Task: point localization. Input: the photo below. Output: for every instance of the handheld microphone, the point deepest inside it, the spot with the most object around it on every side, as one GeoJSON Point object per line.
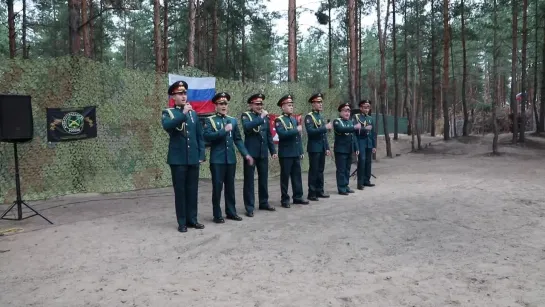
{"type": "Point", "coordinates": [190, 115]}
{"type": "Point", "coordinates": [230, 131]}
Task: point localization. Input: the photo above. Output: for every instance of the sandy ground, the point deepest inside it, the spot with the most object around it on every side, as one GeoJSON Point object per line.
{"type": "Point", "coordinates": [448, 226]}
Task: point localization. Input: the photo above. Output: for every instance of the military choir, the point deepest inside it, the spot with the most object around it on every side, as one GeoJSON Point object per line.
{"type": "Point", "coordinates": [354, 136]}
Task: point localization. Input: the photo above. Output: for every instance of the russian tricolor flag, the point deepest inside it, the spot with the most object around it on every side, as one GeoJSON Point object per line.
{"type": "Point", "coordinates": [199, 94]}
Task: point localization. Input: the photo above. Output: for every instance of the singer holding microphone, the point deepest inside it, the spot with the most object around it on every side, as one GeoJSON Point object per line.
{"type": "Point", "coordinates": [222, 131]}
{"type": "Point", "coordinates": [259, 142]}
{"type": "Point", "coordinates": [185, 153]}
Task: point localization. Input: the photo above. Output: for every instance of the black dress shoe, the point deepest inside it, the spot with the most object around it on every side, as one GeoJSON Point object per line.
{"type": "Point", "coordinates": [196, 226]}
{"type": "Point", "coordinates": [219, 220]}
{"type": "Point", "coordinates": [360, 187]}
{"type": "Point", "coordinates": [286, 205]}
{"type": "Point", "coordinates": [350, 191]}
{"type": "Point", "coordinates": [234, 218]}
{"type": "Point", "coordinates": [182, 228]}
{"type": "Point", "coordinates": [323, 195]}
{"type": "Point", "coordinates": [268, 208]}
{"type": "Point", "coordinates": [343, 193]}
{"type": "Point", "coordinates": [249, 214]}
{"type": "Point", "coordinates": [300, 202]}
{"type": "Point", "coordinates": [313, 198]}
{"type": "Point", "coordinates": [369, 184]}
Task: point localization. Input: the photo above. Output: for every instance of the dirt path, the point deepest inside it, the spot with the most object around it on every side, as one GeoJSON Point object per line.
{"type": "Point", "coordinates": [449, 226]}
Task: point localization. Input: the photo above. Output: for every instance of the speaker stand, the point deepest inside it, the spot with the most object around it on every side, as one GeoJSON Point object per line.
{"type": "Point", "coordinates": [19, 202]}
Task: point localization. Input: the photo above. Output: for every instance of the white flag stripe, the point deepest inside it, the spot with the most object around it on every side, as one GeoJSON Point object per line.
{"type": "Point", "coordinates": [194, 83]}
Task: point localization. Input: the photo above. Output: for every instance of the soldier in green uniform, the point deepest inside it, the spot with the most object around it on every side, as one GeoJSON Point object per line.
{"type": "Point", "coordinates": [222, 131]}
{"type": "Point", "coordinates": [317, 147]}
{"type": "Point", "coordinates": [259, 143]}
{"type": "Point", "coordinates": [290, 153]}
{"type": "Point", "coordinates": [345, 145]}
{"type": "Point", "coordinates": [185, 154]}
{"type": "Point", "coordinates": [366, 142]}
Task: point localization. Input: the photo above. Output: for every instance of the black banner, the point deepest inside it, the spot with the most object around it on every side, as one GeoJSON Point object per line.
{"type": "Point", "coordinates": [71, 124]}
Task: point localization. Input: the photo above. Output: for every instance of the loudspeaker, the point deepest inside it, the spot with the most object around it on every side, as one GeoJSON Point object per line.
{"type": "Point", "coordinates": [16, 121]}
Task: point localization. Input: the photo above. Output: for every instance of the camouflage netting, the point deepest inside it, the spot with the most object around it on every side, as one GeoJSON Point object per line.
{"type": "Point", "coordinates": [130, 150]}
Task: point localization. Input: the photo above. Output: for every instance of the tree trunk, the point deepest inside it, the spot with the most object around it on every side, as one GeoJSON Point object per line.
{"type": "Point", "coordinates": [126, 39]}
{"type": "Point", "coordinates": [215, 38]}
{"type": "Point", "coordinates": [514, 62]}
{"type": "Point", "coordinates": [358, 52]}
{"type": "Point", "coordinates": [228, 25]}
{"type": "Point", "coordinates": [85, 29]}
{"type": "Point", "coordinates": [198, 35]}
{"type": "Point", "coordinates": [11, 30]}
{"type": "Point", "coordinates": [382, 84]}
{"type": "Point", "coordinates": [55, 36]}
{"type": "Point", "coordinates": [91, 36]}
{"type": "Point", "coordinates": [74, 22]}
{"type": "Point", "coordinates": [292, 41]}
{"type": "Point", "coordinates": [523, 87]}
{"type": "Point", "coordinates": [25, 47]}
{"type": "Point", "coordinates": [413, 110]}
{"type": "Point", "coordinates": [156, 35]}
{"type": "Point", "coordinates": [177, 49]}
{"type": "Point", "coordinates": [419, 111]}
{"type": "Point", "coordinates": [418, 98]}
{"type": "Point", "coordinates": [243, 49]}
{"type": "Point", "coordinates": [433, 74]}
{"type": "Point", "coordinates": [191, 38]}
{"type": "Point", "coordinates": [206, 41]}
{"type": "Point", "coordinates": [541, 127]}
{"type": "Point", "coordinates": [233, 50]}
{"type": "Point", "coordinates": [446, 54]}
{"type": "Point", "coordinates": [353, 55]}
{"type": "Point", "coordinates": [453, 89]}
{"type": "Point", "coordinates": [165, 36]}
{"type": "Point", "coordinates": [102, 41]}
{"type": "Point", "coordinates": [406, 94]}
{"type": "Point", "coordinates": [133, 48]}
{"type": "Point", "coordinates": [396, 83]}
{"type": "Point", "coordinates": [502, 85]}
{"type": "Point", "coordinates": [330, 49]}
{"type": "Point", "coordinates": [534, 98]}
{"type": "Point", "coordinates": [465, 131]}
{"type": "Point", "coordinates": [496, 83]}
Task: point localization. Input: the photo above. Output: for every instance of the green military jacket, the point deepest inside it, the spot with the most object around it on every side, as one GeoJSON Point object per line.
{"type": "Point", "coordinates": [222, 143]}
{"type": "Point", "coordinates": [345, 140]}
{"type": "Point", "coordinates": [317, 132]}
{"type": "Point", "coordinates": [186, 144]}
{"type": "Point", "coordinates": [366, 139]}
{"type": "Point", "coordinates": [290, 144]}
{"type": "Point", "coordinates": [257, 135]}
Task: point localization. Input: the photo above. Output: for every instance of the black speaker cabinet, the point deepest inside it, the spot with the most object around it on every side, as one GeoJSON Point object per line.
{"type": "Point", "coordinates": [16, 121]}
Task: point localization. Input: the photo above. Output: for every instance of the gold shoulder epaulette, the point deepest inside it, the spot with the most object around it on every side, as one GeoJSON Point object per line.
{"type": "Point", "coordinates": [170, 114]}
